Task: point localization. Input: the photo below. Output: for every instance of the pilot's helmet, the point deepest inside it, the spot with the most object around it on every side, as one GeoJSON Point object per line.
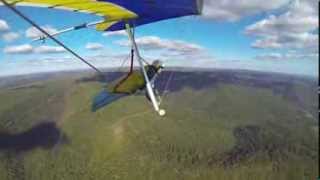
{"type": "Point", "coordinates": [158, 64]}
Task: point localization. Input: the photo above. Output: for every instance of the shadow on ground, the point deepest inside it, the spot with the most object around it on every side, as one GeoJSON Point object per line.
{"type": "Point", "coordinates": [45, 135]}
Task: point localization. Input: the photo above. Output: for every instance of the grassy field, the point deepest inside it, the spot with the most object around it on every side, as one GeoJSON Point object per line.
{"type": "Point", "coordinates": [232, 132]}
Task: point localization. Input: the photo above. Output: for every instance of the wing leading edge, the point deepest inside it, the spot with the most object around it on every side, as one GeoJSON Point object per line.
{"type": "Point", "coordinates": [118, 12]}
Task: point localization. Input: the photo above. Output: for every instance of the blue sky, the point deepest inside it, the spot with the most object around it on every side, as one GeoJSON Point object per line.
{"type": "Point", "coordinates": [279, 36]}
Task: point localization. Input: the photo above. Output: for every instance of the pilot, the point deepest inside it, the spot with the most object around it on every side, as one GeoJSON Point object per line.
{"type": "Point", "coordinates": [135, 80]}
{"type": "Point", "coordinates": [126, 85]}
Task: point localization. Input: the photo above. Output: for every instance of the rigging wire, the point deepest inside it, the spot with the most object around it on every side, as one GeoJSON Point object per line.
{"type": "Point", "coordinates": [165, 90]}
{"type": "Point", "coordinates": [182, 31]}
{"type": "Point", "coordinates": [12, 8]}
{"type": "Point", "coordinates": [124, 61]}
{"type": "Point", "coordinates": [145, 61]}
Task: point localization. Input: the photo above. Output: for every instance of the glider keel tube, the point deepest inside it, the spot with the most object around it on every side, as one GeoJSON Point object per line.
{"type": "Point", "coordinates": [148, 83]}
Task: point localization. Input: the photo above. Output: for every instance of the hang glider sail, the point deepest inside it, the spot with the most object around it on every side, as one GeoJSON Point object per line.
{"type": "Point", "coordinates": [116, 15]}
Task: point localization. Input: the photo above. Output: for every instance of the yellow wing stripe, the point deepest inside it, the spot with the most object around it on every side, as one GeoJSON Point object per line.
{"type": "Point", "coordinates": [110, 11]}
{"type": "Point", "coordinates": [103, 26]}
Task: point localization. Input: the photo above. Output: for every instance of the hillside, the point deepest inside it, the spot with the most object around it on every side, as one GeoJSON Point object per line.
{"type": "Point", "coordinates": [229, 125]}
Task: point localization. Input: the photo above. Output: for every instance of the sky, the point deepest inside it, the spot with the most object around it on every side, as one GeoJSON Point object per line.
{"type": "Point", "coordinates": [273, 36]}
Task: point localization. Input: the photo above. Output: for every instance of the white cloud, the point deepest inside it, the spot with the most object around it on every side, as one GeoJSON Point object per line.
{"type": "Point", "coordinates": [293, 29]}
{"type": "Point", "coordinates": [306, 40]}
{"type": "Point", "coordinates": [11, 36]}
{"type": "Point", "coordinates": [285, 23]}
{"type": "Point", "coordinates": [177, 52]}
{"type": "Point", "coordinates": [115, 33]}
{"type": "Point", "coordinates": [3, 25]}
{"type": "Point", "coordinates": [28, 49]}
{"type": "Point", "coordinates": [232, 10]}
{"type": "Point", "coordinates": [20, 49]}
{"type": "Point", "coordinates": [34, 33]}
{"type": "Point", "coordinates": [270, 56]}
{"type": "Point", "coordinates": [49, 49]}
{"type": "Point", "coordinates": [94, 46]}
{"type": "Point", "coordinates": [290, 55]}
{"type": "Point", "coordinates": [270, 42]}
{"type": "Point", "coordinates": [156, 43]}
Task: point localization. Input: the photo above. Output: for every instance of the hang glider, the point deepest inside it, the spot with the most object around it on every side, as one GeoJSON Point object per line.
{"type": "Point", "coordinates": [116, 15]}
